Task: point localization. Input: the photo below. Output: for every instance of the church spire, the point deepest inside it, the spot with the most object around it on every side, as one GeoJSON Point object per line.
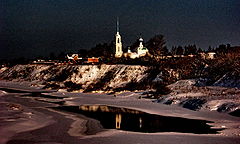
{"type": "Point", "coordinates": [117, 25]}
{"type": "Point", "coordinates": [118, 52]}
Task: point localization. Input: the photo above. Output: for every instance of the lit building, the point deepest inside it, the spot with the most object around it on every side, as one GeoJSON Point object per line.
{"type": "Point", "coordinates": [118, 50]}
{"type": "Point", "coordinates": [210, 55]}
{"type": "Point", "coordinates": [140, 51]}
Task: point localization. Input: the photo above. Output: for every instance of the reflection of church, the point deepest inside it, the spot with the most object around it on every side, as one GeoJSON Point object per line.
{"type": "Point", "coordinates": [118, 121]}
{"type": "Point", "coordinates": [141, 50]}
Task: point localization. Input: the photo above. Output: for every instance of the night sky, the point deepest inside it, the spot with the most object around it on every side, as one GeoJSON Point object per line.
{"type": "Point", "coordinates": [37, 27]}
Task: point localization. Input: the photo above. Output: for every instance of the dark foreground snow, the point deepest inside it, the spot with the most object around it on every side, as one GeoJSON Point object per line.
{"type": "Point", "coordinates": [30, 120]}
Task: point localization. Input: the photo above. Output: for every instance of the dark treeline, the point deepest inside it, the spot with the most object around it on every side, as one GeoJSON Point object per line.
{"type": "Point", "coordinates": [105, 51]}
{"type": "Point", "coordinates": [156, 46]}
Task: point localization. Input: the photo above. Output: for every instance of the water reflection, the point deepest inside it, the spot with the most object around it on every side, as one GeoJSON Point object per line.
{"type": "Point", "coordinates": [118, 121]}
{"type": "Point", "coordinates": [133, 120]}
{"type": "Point", "coordinates": [140, 122]}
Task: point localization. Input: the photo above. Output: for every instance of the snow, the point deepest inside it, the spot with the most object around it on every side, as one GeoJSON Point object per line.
{"type": "Point", "coordinates": [228, 80]}
{"type": "Point", "coordinates": [84, 75]}
{"type": "Point", "coordinates": [3, 69]}
{"type": "Point", "coordinates": [216, 98]}
{"type": "Point", "coordinates": [183, 84]}
{"type": "Point", "coordinates": [2, 92]}
{"type": "Point", "coordinates": [109, 77]}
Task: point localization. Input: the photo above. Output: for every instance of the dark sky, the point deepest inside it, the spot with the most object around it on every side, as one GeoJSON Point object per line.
{"type": "Point", "coordinates": [38, 27]}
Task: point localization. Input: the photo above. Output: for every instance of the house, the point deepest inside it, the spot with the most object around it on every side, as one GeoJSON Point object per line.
{"type": "Point", "coordinates": [210, 55]}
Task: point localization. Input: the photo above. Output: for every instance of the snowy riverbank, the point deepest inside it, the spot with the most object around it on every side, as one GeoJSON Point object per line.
{"type": "Point", "coordinates": [71, 127]}
{"type": "Point", "coordinates": [191, 93]}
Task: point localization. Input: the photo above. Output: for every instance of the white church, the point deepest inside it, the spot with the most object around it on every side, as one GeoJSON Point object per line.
{"type": "Point", "coordinates": [141, 50]}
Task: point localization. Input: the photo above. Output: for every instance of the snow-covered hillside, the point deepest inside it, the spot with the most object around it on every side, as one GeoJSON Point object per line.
{"type": "Point", "coordinates": [82, 77]}
{"type": "Point", "coordinates": [214, 98]}
{"type": "Point", "coordinates": [222, 96]}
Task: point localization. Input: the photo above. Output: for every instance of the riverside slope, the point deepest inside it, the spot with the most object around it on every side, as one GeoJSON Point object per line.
{"type": "Point", "coordinates": [83, 77]}
{"type": "Point", "coordinates": [107, 78]}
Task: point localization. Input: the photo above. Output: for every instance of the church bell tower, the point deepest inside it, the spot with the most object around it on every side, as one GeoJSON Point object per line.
{"type": "Point", "coordinates": [118, 50]}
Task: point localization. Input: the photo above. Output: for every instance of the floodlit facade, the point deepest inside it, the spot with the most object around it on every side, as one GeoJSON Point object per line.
{"type": "Point", "coordinates": [210, 55]}
{"type": "Point", "coordinates": [118, 50]}
{"type": "Point", "coordinates": [140, 51]}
